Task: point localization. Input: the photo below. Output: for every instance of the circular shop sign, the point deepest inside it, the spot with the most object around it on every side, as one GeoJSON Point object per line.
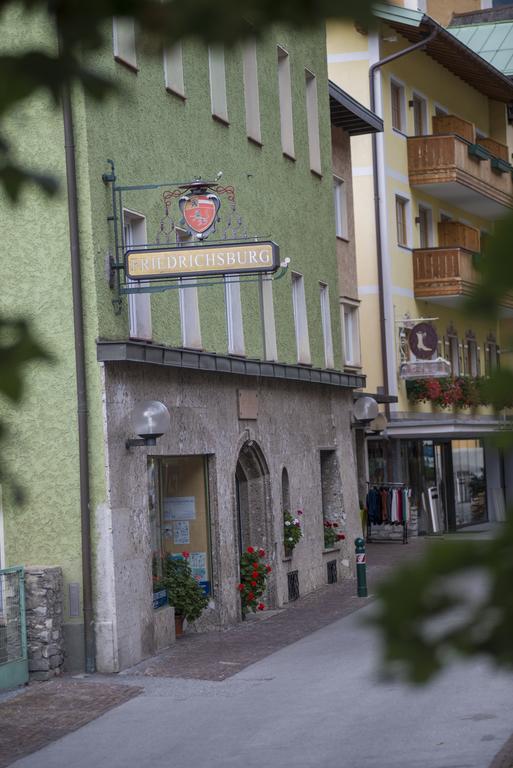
{"type": "Point", "coordinates": [423, 341]}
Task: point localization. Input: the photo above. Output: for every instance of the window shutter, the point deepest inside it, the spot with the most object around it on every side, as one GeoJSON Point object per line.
{"type": "Point", "coordinates": [466, 362]}
{"type": "Point", "coordinates": [478, 360]}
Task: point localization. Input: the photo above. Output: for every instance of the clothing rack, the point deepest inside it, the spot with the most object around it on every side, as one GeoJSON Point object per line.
{"type": "Point", "coordinates": [403, 523]}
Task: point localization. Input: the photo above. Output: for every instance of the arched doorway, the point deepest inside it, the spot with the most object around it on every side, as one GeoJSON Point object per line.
{"type": "Point", "coordinates": [253, 506]}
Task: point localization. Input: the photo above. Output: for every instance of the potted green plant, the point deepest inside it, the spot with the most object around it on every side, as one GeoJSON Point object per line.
{"type": "Point", "coordinates": [331, 534]}
{"type": "Point", "coordinates": [253, 579]}
{"type": "Point", "coordinates": [159, 588]}
{"type": "Point", "coordinates": [183, 591]}
{"type": "Point", "coordinates": [292, 532]}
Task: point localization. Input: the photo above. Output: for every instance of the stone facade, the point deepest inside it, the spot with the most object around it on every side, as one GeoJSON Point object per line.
{"type": "Point", "coordinates": [44, 612]}
{"type": "Point", "coordinates": [296, 424]}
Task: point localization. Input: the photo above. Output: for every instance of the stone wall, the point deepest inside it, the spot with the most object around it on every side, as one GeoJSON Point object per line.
{"type": "Point", "coordinates": [44, 612]}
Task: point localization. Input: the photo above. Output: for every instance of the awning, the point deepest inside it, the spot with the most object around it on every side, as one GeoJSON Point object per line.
{"type": "Point", "coordinates": [349, 114]}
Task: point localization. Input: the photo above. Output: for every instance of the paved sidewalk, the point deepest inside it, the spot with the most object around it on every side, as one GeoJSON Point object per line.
{"type": "Point", "coordinates": [218, 655]}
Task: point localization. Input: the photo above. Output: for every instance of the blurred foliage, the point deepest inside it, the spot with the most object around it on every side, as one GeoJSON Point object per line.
{"type": "Point", "coordinates": [81, 27]}
{"type": "Point", "coordinates": [457, 600]}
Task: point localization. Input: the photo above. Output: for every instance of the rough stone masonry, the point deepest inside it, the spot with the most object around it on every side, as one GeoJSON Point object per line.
{"type": "Point", "coordinates": [44, 612]}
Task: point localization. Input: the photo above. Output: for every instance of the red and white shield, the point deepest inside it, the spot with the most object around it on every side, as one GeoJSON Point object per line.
{"type": "Point", "coordinates": [199, 211]}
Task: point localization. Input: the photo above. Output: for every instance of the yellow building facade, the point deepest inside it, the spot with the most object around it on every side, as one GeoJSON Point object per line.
{"type": "Point", "coordinates": [427, 192]}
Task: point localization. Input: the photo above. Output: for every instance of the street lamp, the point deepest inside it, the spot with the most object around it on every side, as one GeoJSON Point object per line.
{"type": "Point", "coordinates": [150, 420]}
{"type": "Point", "coordinates": [365, 409]}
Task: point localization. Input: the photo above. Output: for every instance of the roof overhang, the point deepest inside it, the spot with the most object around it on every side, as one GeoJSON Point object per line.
{"type": "Point", "coordinates": [447, 50]}
{"type": "Point", "coordinates": [350, 115]}
{"type": "Point", "coordinates": [447, 427]}
{"type": "Point", "coordinates": [209, 362]}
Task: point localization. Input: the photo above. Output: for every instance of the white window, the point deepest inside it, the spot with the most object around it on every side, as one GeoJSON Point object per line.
{"type": "Point", "coordinates": [340, 201]}
{"type": "Point", "coordinates": [401, 217]}
{"type": "Point", "coordinates": [397, 106]}
{"type": "Point", "coordinates": [329, 359]}
{"type": "Point", "coordinates": [189, 308]}
{"type": "Point", "coordinates": [425, 222]}
{"type": "Point", "coordinates": [123, 34]}
{"type": "Point", "coordinates": [312, 121]}
{"type": "Point", "coordinates": [285, 96]}
{"type": "Point", "coordinates": [471, 355]}
{"type": "Point", "coordinates": [419, 106]}
{"type": "Point", "coordinates": [217, 75]}
{"type": "Point", "coordinates": [173, 69]}
{"type": "Point", "coordinates": [300, 319]}
{"type": "Point", "coordinates": [268, 322]}
{"type": "Point", "coordinates": [351, 334]}
{"type": "Point", "coordinates": [234, 324]}
{"type": "Point", "coordinates": [139, 305]}
{"type": "Point", "coordinates": [251, 97]}
{"type": "Point", "coordinates": [454, 354]}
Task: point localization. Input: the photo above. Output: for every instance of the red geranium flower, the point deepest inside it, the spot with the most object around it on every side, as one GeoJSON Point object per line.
{"type": "Point", "coordinates": [250, 550]}
{"type": "Point", "coordinates": [251, 596]}
{"type": "Point", "coordinates": [185, 554]}
{"type": "Point", "coordinates": [261, 552]}
{"type": "Point", "coordinates": [253, 583]}
{"type": "Point", "coordinates": [260, 607]}
{"type": "Point", "coordinates": [255, 574]}
{"type": "Point", "coordinates": [240, 587]}
{"type": "Point", "coordinates": [340, 537]}
{"type": "Point", "coordinates": [268, 568]}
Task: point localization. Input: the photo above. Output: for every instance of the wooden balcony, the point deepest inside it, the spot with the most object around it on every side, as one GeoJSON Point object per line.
{"type": "Point", "coordinates": [446, 276]}
{"type": "Point", "coordinates": [461, 173]}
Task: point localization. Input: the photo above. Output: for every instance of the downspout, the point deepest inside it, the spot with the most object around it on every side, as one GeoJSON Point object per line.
{"type": "Point", "coordinates": [82, 412]}
{"type": "Point", "coordinates": [377, 199]}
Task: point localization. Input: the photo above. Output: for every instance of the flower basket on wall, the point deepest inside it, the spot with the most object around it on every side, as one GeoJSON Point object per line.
{"type": "Point", "coordinates": [448, 392]}
{"type": "Point", "coordinates": [292, 532]}
{"type": "Point", "coordinates": [253, 579]}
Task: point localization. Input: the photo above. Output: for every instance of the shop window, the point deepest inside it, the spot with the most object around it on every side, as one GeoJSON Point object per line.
{"type": "Point", "coordinates": [123, 39]}
{"type": "Point", "coordinates": [331, 488]}
{"type": "Point", "coordinates": [179, 514]}
{"type": "Point", "coordinates": [312, 121]}
{"type": "Point", "coordinates": [300, 319]}
{"type": "Point", "coordinates": [268, 321]}
{"type": "Point", "coordinates": [401, 214]}
{"type": "Point", "coordinates": [329, 359]}
{"type": "Point", "coordinates": [340, 203]}
{"type": "Point", "coordinates": [234, 324]}
{"type": "Point", "coordinates": [217, 74]}
{"type": "Point", "coordinates": [492, 354]}
{"type": "Point", "coordinates": [397, 105]}
{"type": "Point", "coordinates": [173, 69]}
{"type": "Point", "coordinates": [251, 96]}
{"type": "Point", "coordinates": [471, 355]}
{"type": "Point", "coordinates": [285, 98]}
{"type": "Point", "coordinates": [139, 304]}
{"type": "Point", "coordinates": [351, 334]}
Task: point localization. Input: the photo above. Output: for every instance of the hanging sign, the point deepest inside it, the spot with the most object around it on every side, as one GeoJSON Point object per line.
{"type": "Point", "coordinates": [200, 212]}
{"type": "Point", "coordinates": [423, 341]}
{"type": "Point", "coordinates": [201, 260]}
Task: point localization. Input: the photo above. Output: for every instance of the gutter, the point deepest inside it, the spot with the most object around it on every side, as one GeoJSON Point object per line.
{"type": "Point", "coordinates": [80, 370]}
{"type": "Point", "coordinates": [377, 212]}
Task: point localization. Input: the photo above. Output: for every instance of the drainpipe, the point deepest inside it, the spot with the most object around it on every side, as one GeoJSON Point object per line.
{"type": "Point", "coordinates": [377, 200]}
{"type": "Point", "coordinates": [82, 413]}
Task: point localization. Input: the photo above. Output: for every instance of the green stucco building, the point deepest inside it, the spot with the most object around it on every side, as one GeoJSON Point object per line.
{"type": "Point", "coordinates": [250, 369]}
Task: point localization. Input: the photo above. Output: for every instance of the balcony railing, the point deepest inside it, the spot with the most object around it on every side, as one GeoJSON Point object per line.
{"type": "Point", "coordinates": [461, 173]}
{"type": "Point", "coordinates": [446, 276]}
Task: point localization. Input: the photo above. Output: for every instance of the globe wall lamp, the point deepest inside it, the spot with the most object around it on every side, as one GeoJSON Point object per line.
{"type": "Point", "coordinates": [365, 410]}
{"type": "Point", "coordinates": [150, 420]}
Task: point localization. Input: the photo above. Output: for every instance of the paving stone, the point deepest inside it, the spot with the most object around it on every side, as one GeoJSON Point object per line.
{"type": "Point", "coordinates": [48, 711]}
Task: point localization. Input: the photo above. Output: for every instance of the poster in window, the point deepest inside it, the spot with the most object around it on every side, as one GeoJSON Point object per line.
{"type": "Point", "coordinates": [179, 508]}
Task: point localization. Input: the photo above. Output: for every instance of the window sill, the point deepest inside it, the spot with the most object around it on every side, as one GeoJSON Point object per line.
{"type": "Point", "coordinates": [400, 133]}
{"type": "Point", "coordinates": [329, 550]}
{"type": "Point", "coordinates": [220, 119]}
{"type": "Point", "coordinates": [317, 174]}
{"type": "Point", "coordinates": [286, 559]}
{"type": "Point", "coordinates": [132, 67]}
{"type": "Point", "coordinates": [289, 157]}
{"type": "Point", "coordinates": [405, 247]}
{"type": "Point", "coordinates": [254, 141]}
{"type": "Point", "coordinates": [178, 94]}
{"type": "Point", "coordinates": [350, 367]}
{"type": "Point", "coordinates": [343, 239]}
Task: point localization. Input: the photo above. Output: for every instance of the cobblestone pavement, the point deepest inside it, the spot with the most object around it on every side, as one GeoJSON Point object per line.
{"type": "Point", "coordinates": [47, 711]}
{"type": "Point", "coordinates": [217, 655]}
